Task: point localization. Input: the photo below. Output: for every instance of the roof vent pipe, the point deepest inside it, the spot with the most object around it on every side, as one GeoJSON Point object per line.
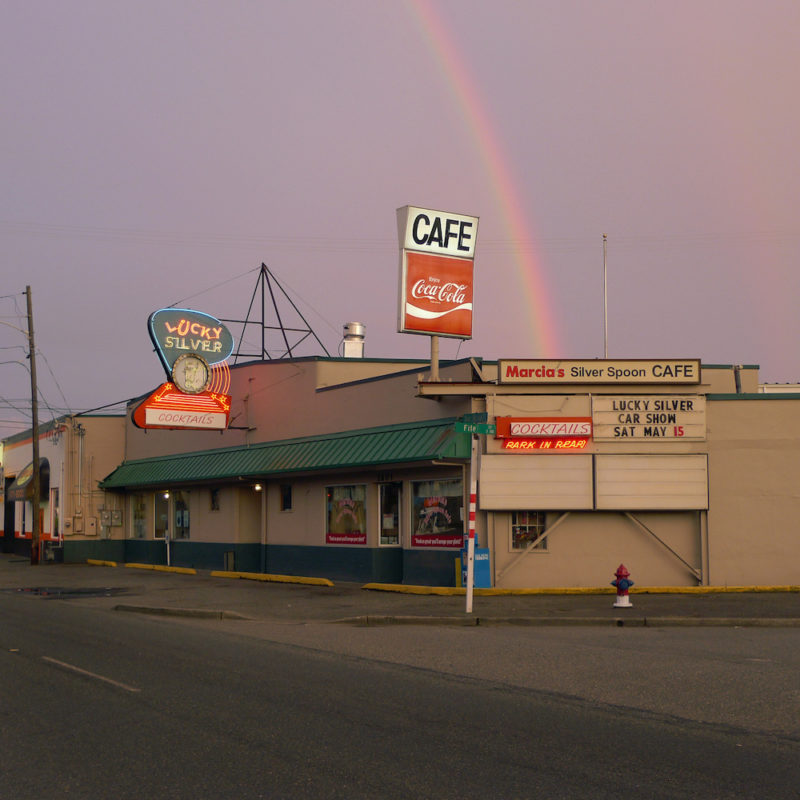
{"type": "Point", "coordinates": [354, 333]}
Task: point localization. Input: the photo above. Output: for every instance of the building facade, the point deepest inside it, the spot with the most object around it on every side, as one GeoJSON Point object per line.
{"type": "Point", "coordinates": [359, 469]}
{"type": "Point", "coordinates": [75, 452]}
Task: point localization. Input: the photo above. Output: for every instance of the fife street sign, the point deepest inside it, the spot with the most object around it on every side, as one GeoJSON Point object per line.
{"type": "Point", "coordinates": [476, 427]}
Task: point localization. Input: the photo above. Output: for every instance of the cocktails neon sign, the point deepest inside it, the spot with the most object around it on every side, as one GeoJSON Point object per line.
{"type": "Point", "coordinates": [524, 434]}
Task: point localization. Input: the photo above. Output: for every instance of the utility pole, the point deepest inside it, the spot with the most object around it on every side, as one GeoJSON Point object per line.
{"type": "Point", "coordinates": [36, 478]}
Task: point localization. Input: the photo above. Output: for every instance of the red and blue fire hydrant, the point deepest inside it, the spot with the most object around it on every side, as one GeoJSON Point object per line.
{"type": "Point", "coordinates": [623, 583]}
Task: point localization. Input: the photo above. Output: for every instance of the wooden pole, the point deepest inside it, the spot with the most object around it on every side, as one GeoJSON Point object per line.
{"type": "Point", "coordinates": [36, 478]}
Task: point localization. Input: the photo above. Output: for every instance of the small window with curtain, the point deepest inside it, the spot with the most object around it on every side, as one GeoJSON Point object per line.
{"type": "Point", "coordinates": [527, 527]}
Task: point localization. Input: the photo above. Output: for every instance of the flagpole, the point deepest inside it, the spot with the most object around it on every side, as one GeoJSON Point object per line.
{"type": "Point", "coordinates": [605, 299]}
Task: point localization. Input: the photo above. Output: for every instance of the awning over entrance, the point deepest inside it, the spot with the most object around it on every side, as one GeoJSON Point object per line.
{"type": "Point", "coordinates": [392, 444]}
{"type": "Point", "coordinates": [22, 487]}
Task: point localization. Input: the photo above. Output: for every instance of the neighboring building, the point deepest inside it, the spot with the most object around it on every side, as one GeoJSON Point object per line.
{"type": "Point", "coordinates": [75, 452]}
{"type": "Point", "coordinates": [354, 469]}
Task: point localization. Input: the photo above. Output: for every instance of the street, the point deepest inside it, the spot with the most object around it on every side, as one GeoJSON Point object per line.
{"type": "Point", "coordinates": [97, 703]}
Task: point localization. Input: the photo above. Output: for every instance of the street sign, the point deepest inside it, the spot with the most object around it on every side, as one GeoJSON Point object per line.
{"type": "Point", "coordinates": [476, 427]}
{"type": "Point", "coordinates": [480, 416]}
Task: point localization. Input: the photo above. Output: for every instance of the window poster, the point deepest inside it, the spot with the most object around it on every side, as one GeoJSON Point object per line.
{"type": "Point", "coordinates": [438, 513]}
{"type": "Point", "coordinates": [346, 514]}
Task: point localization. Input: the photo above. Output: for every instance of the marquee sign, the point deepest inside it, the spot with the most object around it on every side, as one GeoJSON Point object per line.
{"type": "Point", "coordinates": [193, 348]}
{"type": "Point", "coordinates": [629, 371]}
{"type": "Point", "coordinates": [649, 418]}
{"type": "Point", "coordinates": [436, 272]}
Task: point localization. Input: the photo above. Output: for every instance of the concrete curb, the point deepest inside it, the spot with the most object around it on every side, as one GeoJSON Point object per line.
{"type": "Point", "coordinates": [375, 620]}
{"type": "Point", "coordinates": [597, 590]}
{"type": "Point", "coordinates": [200, 613]}
{"type": "Point", "coordinates": [450, 591]}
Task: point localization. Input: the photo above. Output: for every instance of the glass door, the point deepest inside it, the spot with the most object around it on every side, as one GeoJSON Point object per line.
{"type": "Point", "coordinates": [389, 510]}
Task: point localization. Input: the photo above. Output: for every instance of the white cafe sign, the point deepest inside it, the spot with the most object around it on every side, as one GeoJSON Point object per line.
{"type": "Point", "coordinates": [668, 370]}
{"type": "Point", "coordinates": [649, 418]}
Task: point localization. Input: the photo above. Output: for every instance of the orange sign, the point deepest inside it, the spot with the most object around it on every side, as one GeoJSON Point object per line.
{"type": "Point", "coordinates": [559, 434]}
{"type": "Point", "coordinates": [169, 408]}
{"type": "Point", "coordinates": [436, 295]}
{"type": "Point", "coordinates": [543, 427]}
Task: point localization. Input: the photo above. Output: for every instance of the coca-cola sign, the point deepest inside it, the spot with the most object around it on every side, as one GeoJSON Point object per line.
{"type": "Point", "coordinates": [436, 295]}
{"type": "Point", "coordinates": [436, 253]}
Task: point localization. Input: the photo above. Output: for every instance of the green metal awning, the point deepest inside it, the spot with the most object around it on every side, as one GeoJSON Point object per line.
{"type": "Point", "coordinates": [392, 444]}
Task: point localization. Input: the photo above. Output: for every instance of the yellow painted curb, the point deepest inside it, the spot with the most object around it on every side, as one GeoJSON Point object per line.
{"type": "Point", "coordinates": [178, 570]}
{"type": "Point", "coordinates": [259, 576]}
{"type": "Point", "coordinates": [162, 568]}
{"type": "Point", "coordinates": [98, 563]}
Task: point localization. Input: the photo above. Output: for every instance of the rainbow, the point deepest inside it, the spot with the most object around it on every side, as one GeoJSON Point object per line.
{"type": "Point", "coordinates": [545, 337]}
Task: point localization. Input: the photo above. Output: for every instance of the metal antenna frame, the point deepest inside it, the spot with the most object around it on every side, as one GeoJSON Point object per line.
{"type": "Point", "coordinates": [266, 279]}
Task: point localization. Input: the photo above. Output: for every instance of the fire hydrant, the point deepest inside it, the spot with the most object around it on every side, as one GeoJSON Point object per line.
{"type": "Point", "coordinates": [623, 583]}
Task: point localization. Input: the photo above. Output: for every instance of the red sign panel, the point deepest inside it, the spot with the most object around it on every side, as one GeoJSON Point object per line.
{"type": "Point", "coordinates": [169, 408]}
{"type": "Point", "coordinates": [436, 295]}
{"type": "Point", "coordinates": [543, 427]}
{"type": "Point", "coordinates": [559, 434]}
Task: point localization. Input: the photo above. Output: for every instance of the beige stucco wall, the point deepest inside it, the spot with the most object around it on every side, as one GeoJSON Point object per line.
{"type": "Point", "coordinates": [585, 549]}
{"type": "Point", "coordinates": [102, 451]}
{"type": "Point", "coordinates": [754, 469]}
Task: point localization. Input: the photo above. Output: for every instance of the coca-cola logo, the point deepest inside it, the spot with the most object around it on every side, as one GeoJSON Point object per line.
{"type": "Point", "coordinates": [438, 292]}
{"type": "Point", "coordinates": [436, 295]}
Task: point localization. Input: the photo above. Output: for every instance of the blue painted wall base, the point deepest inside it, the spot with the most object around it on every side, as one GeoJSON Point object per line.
{"type": "Point", "coordinates": [345, 564]}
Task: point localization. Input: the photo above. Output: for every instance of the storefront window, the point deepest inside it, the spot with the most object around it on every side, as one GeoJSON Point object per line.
{"type": "Point", "coordinates": [390, 513]}
{"type": "Point", "coordinates": [438, 513]}
{"type": "Point", "coordinates": [181, 506]}
{"type": "Point", "coordinates": [347, 519]}
{"type": "Point", "coordinates": [526, 527]}
{"type": "Point", "coordinates": [138, 518]}
{"type": "Point", "coordinates": [161, 514]}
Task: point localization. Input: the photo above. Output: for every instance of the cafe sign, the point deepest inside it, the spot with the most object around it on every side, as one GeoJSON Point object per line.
{"type": "Point", "coordinates": [628, 371]}
{"type": "Point", "coordinates": [437, 251]}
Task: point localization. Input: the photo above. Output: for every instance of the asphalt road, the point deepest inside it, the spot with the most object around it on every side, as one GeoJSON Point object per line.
{"type": "Point", "coordinates": [97, 703]}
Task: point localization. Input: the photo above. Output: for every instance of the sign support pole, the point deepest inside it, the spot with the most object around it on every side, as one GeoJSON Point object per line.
{"type": "Point", "coordinates": [434, 359]}
{"type": "Point", "coordinates": [473, 493]}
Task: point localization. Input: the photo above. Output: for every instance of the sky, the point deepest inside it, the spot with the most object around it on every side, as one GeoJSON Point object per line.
{"type": "Point", "coordinates": [156, 153]}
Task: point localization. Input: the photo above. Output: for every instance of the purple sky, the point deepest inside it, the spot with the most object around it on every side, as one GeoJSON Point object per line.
{"type": "Point", "coordinates": [153, 150]}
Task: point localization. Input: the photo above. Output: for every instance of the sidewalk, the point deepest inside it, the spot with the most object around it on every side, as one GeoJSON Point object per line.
{"type": "Point", "coordinates": [145, 589]}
